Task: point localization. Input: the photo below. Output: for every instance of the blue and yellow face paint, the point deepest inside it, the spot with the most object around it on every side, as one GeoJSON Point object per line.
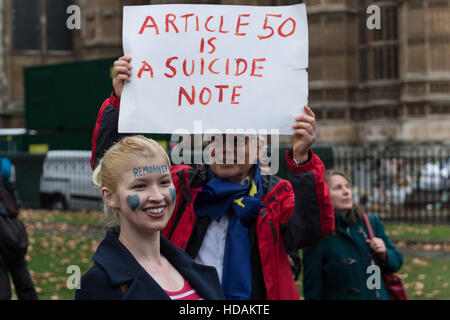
{"type": "Point", "coordinates": [173, 194]}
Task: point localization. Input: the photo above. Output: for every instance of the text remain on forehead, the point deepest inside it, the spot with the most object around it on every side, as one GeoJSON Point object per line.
{"type": "Point", "coordinates": [143, 171]}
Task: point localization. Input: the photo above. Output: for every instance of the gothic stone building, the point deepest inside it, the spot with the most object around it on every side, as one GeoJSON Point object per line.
{"type": "Point", "coordinates": [391, 84]}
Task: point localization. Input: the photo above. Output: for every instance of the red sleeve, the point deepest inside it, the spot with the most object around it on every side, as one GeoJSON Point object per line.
{"type": "Point", "coordinates": [111, 102]}
{"type": "Point", "coordinates": [326, 210]}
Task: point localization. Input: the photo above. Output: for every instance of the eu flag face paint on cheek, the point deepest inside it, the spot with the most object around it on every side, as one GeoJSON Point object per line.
{"type": "Point", "coordinates": [173, 194]}
{"type": "Point", "coordinates": [133, 201]}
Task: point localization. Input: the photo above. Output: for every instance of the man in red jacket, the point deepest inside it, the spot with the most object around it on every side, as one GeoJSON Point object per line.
{"type": "Point", "coordinates": [231, 217]}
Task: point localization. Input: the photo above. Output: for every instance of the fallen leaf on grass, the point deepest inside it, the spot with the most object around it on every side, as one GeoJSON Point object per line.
{"type": "Point", "coordinates": [401, 244]}
{"type": "Point", "coordinates": [402, 276]}
{"type": "Point", "coordinates": [420, 262]}
{"type": "Point", "coordinates": [419, 285]}
{"type": "Point", "coordinates": [47, 274]}
{"type": "Point", "coordinates": [408, 285]}
{"type": "Point", "coordinates": [418, 293]}
{"type": "Point", "coordinates": [61, 286]}
{"type": "Point", "coordinates": [432, 294]}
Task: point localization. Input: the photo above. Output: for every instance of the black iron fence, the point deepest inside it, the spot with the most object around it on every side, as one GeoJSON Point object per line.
{"type": "Point", "coordinates": [408, 183]}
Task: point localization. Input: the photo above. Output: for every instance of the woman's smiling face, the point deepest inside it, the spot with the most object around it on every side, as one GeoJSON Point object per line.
{"type": "Point", "coordinates": [145, 194]}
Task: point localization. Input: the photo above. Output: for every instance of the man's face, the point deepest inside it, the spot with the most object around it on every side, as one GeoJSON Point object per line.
{"type": "Point", "coordinates": [238, 161]}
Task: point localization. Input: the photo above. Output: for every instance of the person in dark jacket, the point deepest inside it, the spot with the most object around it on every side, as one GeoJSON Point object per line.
{"type": "Point", "coordinates": [338, 267]}
{"type": "Point", "coordinates": [8, 178]}
{"type": "Point", "coordinates": [135, 261]}
{"type": "Point", "coordinates": [233, 218]}
{"type": "Point", "coordinates": [12, 257]}
{"type": "Point", "coordinates": [5, 286]}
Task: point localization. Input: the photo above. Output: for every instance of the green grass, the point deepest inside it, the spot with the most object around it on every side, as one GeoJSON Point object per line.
{"type": "Point", "coordinates": [427, 279]}
{"type": "Point", "coordinates": [421, 232]}
{"type": "Point", "coordinates": [48, 258]}
{"type": "Point", "coordinates": [75, 217]}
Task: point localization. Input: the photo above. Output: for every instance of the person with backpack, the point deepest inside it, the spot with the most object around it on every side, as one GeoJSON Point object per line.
{"type": "Point", "coordinates": [5, 286]}
{"type": "Point", "coordinates": [233, 218]}
{"type": "Point", "coordinates": [13, 248]}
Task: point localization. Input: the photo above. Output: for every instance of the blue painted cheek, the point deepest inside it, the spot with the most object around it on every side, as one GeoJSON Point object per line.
{"type": "Point", "coordinates": [173, 194]}
{"type": "Point", "coordinates": [133, 202]}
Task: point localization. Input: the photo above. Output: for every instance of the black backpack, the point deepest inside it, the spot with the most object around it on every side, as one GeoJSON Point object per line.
{"type": "Point", "coordinates": [13, 237]}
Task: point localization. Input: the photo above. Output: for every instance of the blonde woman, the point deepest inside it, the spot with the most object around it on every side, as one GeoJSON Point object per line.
{"type": "Point", "coordinates": [134, 261]}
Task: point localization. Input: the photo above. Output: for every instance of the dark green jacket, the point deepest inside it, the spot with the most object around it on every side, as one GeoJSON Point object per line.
{"type": "Point", "coordinates": [336, 268]}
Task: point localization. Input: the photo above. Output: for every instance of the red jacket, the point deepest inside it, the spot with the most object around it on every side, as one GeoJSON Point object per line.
{"type": "Point", "coordinates": [294, 214]}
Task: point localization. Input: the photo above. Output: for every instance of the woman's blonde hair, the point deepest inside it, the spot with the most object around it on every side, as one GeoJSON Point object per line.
{"type": "Point", "coordinates": [111, 167]}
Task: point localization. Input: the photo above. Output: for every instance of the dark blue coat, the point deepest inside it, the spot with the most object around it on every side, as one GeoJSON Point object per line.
{"type": "Point", "coordinates": [336, 268]}
{"type": "Point", "coordinates": [115, 266]}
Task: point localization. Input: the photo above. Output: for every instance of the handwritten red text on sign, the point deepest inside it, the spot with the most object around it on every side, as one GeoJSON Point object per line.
{"type": "Point", "coordinates": [274, 25]}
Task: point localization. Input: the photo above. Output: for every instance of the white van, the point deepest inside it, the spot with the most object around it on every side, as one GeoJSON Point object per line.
{"type": "Point", "coordinates": [66, 182]}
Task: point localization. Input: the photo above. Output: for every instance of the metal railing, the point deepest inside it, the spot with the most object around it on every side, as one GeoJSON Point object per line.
{"type": "Point", "coordinates": [399, 182]}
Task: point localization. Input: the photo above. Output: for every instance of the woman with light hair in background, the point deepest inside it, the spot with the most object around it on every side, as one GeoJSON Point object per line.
{"type": "Point", "coordinates": [134, 261]}
{"type": "Point", "coordinates": [336, 268]}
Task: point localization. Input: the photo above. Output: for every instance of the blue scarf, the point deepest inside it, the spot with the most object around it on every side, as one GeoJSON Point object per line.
{"type": "Point", "coordinates": [214, 200]}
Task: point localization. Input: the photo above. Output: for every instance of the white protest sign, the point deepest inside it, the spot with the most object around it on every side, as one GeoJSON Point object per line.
{"type": "Point", "coordinates": [229, 67]}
